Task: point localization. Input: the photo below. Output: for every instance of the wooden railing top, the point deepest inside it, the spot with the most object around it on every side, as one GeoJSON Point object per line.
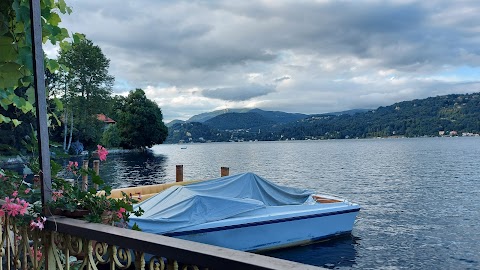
{"type": "Point", "coordinates": [185, 251]}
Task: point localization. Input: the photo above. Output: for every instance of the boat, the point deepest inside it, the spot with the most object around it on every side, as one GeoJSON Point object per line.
{"type": "Point", "coordinates": [246, 212]}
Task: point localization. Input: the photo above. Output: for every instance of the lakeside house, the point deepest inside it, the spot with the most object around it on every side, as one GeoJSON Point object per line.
{"type": "Point", "coordinates": [107, 120]}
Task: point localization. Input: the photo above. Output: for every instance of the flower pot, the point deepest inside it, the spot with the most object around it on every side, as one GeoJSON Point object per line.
{"type": "Point", "coordinates": [78, 213]}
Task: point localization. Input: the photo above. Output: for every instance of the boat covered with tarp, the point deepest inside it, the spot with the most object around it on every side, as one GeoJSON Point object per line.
{"type": "Point", "coordinates": [245, 212]}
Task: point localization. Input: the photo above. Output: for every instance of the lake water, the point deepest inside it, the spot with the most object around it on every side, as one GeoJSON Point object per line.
{"type": "Point", "coordinates": [420, 198]}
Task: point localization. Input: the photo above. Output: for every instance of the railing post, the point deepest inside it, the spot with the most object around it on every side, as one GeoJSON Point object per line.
{"type": "Point", "coordinates": [224, 171]}
{"type": "Point", "coordinates": [179, 173]}
{"type": "Point", "coordinates": [96, 168]}
{"type": "Point", "coordinates": [85, 177]}
{"type": "Point", "coordinates": [40, 102]}
{"type": "Point", "coordinates": [41, 111]}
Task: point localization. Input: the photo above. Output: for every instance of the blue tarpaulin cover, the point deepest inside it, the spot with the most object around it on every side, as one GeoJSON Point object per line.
{"type": "Point", "coordinates": [179, 207]}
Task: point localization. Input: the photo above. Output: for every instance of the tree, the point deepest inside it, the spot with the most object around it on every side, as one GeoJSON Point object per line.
{"type": "Point", "coordinates": [87, 89]}
{"type": "Point", "coordinates": [111, 136]}
{"type": "Point", "coordinates": [140, 124]}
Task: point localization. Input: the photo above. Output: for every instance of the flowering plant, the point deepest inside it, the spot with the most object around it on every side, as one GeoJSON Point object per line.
{"type": "Point", "coordinates": [98, 207]}
{"type": "Point", "coordinates": [22, 199]}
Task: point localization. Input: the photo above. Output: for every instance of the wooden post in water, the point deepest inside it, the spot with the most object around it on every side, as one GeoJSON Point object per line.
{"type": "Point", "coordinates": [179, 174]}
{"type": "Point", "coordinates": [224, 171]}
{"type": "Point", "coordinates": [85, 177]}
{"type": "Point", "coordinates": [96, 168]}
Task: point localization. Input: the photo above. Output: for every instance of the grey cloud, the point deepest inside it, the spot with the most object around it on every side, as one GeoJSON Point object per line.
{"type": "Point", "coordinates": [240, 93]}
{"type": "Point", "coordinates": [283, 78]}
{"type": "Point", "coordinates": [206, 35]}
{"type": "Point", "coordinates": [210, 44]}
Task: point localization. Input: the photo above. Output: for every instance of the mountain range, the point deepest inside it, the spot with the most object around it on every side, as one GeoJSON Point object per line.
{"type": "Point", "coordinates": [449, 114]}
{"type": "Point", "coordinates": [275, 116]}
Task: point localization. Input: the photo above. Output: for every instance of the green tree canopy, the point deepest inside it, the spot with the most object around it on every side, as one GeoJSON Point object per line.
{"type": "Point", "coordinates": [87, 87]}
{"type": "Point", "coordinates": [140, 123]}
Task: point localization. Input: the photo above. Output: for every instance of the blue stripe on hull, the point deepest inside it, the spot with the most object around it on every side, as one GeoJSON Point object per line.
{"type": "Point", "coordinates": [259, 223]}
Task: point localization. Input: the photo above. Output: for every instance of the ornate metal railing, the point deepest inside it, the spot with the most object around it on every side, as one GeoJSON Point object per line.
{"type": "Point", "coordinates": [67, 243]}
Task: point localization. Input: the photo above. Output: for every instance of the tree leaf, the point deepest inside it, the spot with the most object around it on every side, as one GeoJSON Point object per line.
{"type": "Point", "coordinates": [54, 19]}
{"type": "Point", "coordinates": [62, 6]}
{"type": "Point", "coordinates": [30, 94]}
{"type": "Point", "coordinates": [16, 122]}
{"type": "Point", "coordinates": [6, 40]}
{"type": "Point", "coordinates": [59, 123]}
{"type": "Point", "coordinates": [53, 65]}
{"type": "Point", "coordinates": [77, 37]}
{"type": "Point", "coordinates": [58, 104]}
{"type": "Point", "coordinates": [27, 107]}
{"type": "Point", "coordinates": [26, 56]}
{"type": "Point", "coordinates": [5, 102]}
{"type": "Point", "coordinates": [96, 179]}
{"type": "Point", "coordinates": [9, 75]}
{"type": "Point", "coordinates": [4, 119]}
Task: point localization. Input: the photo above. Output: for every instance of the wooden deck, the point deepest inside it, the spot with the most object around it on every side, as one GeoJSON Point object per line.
{"type": "Point", "coordinates": [321, 199]}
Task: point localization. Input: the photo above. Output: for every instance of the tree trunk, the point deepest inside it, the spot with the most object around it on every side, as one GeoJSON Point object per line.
{"type": "Point", "coordinates": [65, 129]}
{"type": "Point", "coordinates": [71, 133]}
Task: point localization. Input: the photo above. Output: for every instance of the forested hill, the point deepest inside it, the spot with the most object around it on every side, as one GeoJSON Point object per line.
{"type": "Point", "coordinates": [452, 114]}
{"type": "Point", "coordinates": [273, 117]}
{"type": "Point", "coordinates": [425, 117]}
{"type": "Point", "coordinates": [231, 121]}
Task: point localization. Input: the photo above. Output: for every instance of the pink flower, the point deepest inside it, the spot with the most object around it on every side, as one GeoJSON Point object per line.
{"type": "Point", "coordinates": [72, 166]}
{"type": "Point", "coordinates": [14, 207]}
{"type": "Point", "coordinates": [120, 212]}
{"type": "Point", "coordinates": [57, 195]}
{"type": "Point", "coordinates": [40, 223]}
{"type": "Point", "coordinates": [102, 152]}
{"type": "Point", "coordinates": [15, 193]}
{"type": "Point", "coordinates": [39, 254]}
{"type": "Point", "coordinates": [27, 190]}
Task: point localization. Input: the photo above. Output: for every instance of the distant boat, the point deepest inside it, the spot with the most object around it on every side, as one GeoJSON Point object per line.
{"type": "Point", "coordinates": [183, 147]}
{"type": "Point", "coordinates": [246, 212]}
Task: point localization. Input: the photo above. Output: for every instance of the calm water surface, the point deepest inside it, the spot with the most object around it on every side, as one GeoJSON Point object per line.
{"type": "Point", "coordinates": [420, 198]}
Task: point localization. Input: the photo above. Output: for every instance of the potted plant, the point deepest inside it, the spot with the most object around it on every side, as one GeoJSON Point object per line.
{"type": "Point", "coordinates": [73, 200]}
{"type": "Point", "coordinates": [22, 200]}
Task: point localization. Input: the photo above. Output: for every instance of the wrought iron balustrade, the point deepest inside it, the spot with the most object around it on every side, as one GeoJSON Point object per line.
{"type": "Point", "coordinates": [67, 243]}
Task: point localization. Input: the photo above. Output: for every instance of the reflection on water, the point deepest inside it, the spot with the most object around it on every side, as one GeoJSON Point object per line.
{"type": "Point", "coordinates": [334, 253]}
{"type": "Point", "coordinates": [129, 169]}
{"type": "Point", "coordinates": [133, 169]}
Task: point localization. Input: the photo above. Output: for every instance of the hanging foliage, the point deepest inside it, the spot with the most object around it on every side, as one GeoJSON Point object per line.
{"type": "Point", "coordinates": [16, 68]}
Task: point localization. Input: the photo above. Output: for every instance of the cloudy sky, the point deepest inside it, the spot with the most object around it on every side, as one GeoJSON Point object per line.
{"type": "Point", "coordinates": [294, 56]}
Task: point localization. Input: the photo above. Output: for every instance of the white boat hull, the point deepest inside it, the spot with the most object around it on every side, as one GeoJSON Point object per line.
{"type": "Point", "coordinates": [275, 232]}
{"type": "Point", "coordinates": [245, 212]}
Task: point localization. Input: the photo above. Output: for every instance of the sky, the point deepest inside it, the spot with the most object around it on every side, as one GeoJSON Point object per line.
{"type": "Point", "coordinates": [294, 56]}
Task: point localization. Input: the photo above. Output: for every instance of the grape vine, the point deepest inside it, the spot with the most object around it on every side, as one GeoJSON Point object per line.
{"type": "Point", "coordinates": [16, 68]}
